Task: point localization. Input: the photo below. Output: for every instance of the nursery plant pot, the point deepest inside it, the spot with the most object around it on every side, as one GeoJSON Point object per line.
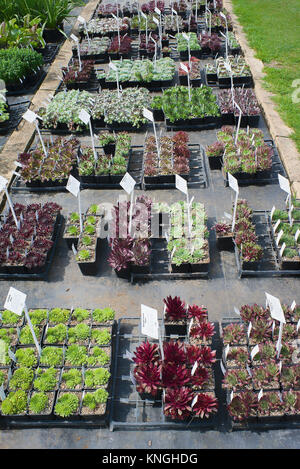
{"type": "Point", "coordinates": [215, 162]}
{"type": "Point", "coordinates": [172, 328]}
{"type": "Point", "coordinates": [158, 115]}
{"type": "Point", "coordinates": [246, 265]}
{"type": "Point", "coordinates": [109, 149]}
{"type": "Point", "coordinates": [53, 35]}
{"type": "Point", "coordinates": [123, 273]}
{"type": "Point", "coordinates": [225, 243]}
{"type": "Point", "coordinates": [48, 413]}
{"type": "Point", "coordinates": [182, 269]}
{"type": "Point", "coordinates": [290, 264]}
{"type": "Point", "coordinates": [140, 269]}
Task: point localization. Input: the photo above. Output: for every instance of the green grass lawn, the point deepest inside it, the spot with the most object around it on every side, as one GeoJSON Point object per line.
{"type": "Point", "coordinates": [273, 31]}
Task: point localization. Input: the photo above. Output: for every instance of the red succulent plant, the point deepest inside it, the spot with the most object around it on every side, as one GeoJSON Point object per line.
{"type": "Point", "coordinates": [174, 352]}
{"type": "Point", "coordinates": [205, 405]}
{"type": "Point", "coordinates": [146, 353]}
{"type": "Point", "coordinates": [148, 378]}
{"type": "Point", "coordinates": [178, 403]}
{"type": "Point", "coordinates": [175, 309]}
{"type": "Point", "coordinates": [198, 313]}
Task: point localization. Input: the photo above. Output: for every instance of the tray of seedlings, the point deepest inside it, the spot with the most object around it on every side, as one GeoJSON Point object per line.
{"type": "Point", "coordinates": [260, 380]}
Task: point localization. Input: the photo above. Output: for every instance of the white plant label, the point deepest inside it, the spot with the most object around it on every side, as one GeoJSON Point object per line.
{"type": "Point", "coordinates": [74, 250]}
{"type": "Point", "coordinates": [233, 183]}
{"type": "Point", "coordinates": [132, 378]}
{"type": "Point", "coordinates": [184, 67]}
{"type": "Point", "coordinates": [272, 212]}
{"type": "Point", "coordinates": [149, 322]}
{"type": "Point", "coordinates": [185, 36]}
{"type": "Point", "coordinates": [297, 235]}
{"type": "Point", "coordinates": [293, 305]}
{"type": "Point", "coordinates": [157, 10]}
{"type": "Point", "coordinates": [194, 401]}
{"type": "Point", "coordinates": [174, 11]}
{"type": "Point", "coordinates": [148, 114]}
{"type": "Point", "coordinates": [74, 38]}
{"type": "Point", "coordinates": [181, 184]}
{"type": "Point", "coordinates": [3, 183]}
{"type": "Point", "coordinates": [127, 183]}
{"type": "Point", "coordinates": [195, 366]}
{"type": "Point", "coordinates": [128, 355]}
{"type": "Point", "coordinates": [143, 15]}
{"type": "Point", "coordinates": [298, 325]}
{"type": "Point", "coordinates": [81, 19]}
{"type": "Point", "coordinates": [275, 308]}
{"type": "Point", "coordinates": [282, 249]}
{"type": "Point", "coordinates": [237, 311]}
{"type": "Point", "coordinates": [254, 351]}
{"type": "Point", "coordinates": [84, 116]}
{"type": "Point", "coordinates": [279, 237]}
{"type": "Point", "coordinates": [226, 350]}
{"type": "Point", "coordinates": [2, 393]}
{"type": "Point", "coordinates": [30, 116]}
{"type": "Point", "coordinates": [15, 301]}
{"type": "Point", "coordinates": [227, 215]}
{"type": "Point", "coordinates": [249, 329]}
{"type": "Point", "coordinates": [113, 66]}
{"type": "Point", "coordinates": [260, 395]}
{"type": "Point", "coordinates": [156, 20]}
{"type": "Point", "coordinates": [12, 355]}
{"type": "Point", "coordinates": [284, 184]}
{"type": "Point", "coordinates": [222, 367]}
{"type": "Point", "coordinates": [73, 185]}
{"type": "Point", "coordinates": [249, 370]}
{"type": "Point", "coordinates": [230, 397]}
{"type": "Point", "coordinates": [276, 225]}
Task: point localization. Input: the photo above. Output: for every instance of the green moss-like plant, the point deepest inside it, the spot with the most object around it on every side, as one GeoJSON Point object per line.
{"type": "Point", "coordinates": [80, 314]}
{"type": "Point", "coordinates": [7, 334]}
{"type": "Point", "coordinates": [98, 357]}
{"type": "Point", "coordinates": [101, 336]}
{"type": "Point", "coordinates": [10, 319]}
{"type": "Point", "coordinates": [38, 403]}
{"type": "Point", "coordinates": [26, 357]}
{"type": "Point", "coordinates": [96, 377]}
{"type": "Point", "coordinates": [103, 315]}
{"type": "Point", "coordinates": [93, 399]}
{"type": "Point", "coordinates": [51, 356]}
{"type": "Point", "coordinates": [83, 255]}
{"type": "Point", "coordinates": [66, 405]}
{"type": "Point", "coordinates": [56, 334]}
{"type": "Point", "coordinates": [15, 403]}
{"type": "Point", "coordinates": [45, 380]}
{"type": "Point", "coordinates": [89, 229]}
{"type": "Point", "coordinates": [59, 315]}
{"type": "Point", "coordinates": [72, 378]}
{"type": "Point", "coordinates": [21, 379]}
{"type": "Point", "coordinates": [38, 316]}
{"type": "Point", "coordinates": [74, 217]}
{"type": "Point", "coordinates": [78, 333]}
{"type": "Point", "coordinates": [73, 230]}
{"type": "Point", "coordinates": [76, 355]}
{"type": "Point", "coordinates": [26, 335]}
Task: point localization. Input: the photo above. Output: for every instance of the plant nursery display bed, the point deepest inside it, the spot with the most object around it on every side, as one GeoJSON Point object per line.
{"type": "Point", "coordinates": [269, 265]}
{"type": "Point", "coordinates": [16, 112]}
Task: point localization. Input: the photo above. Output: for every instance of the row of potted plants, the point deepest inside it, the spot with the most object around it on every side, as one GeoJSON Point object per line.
{"type": "Point", "coordinates": [184, 376]}
{"type": "Point", "coordinates": [26, 248]}
{"type": "Point", "coordinates": [20, 67]}
{"type": "Point", "coordinates": [246, 99]}
{"type": "Point", "coordinates": [72, 225]}
{"type": "Point", "coordinates": [221, 71]}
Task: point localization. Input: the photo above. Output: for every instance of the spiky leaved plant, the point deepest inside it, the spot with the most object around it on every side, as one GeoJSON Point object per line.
{"type": "Point", "coordinates": [236, 379]}
{"type": "Point", "coordinates": [261, 331]}
{"type": "Point", "coordinates": [147, 353]}
{"type": "Point", "coordinates": [234, 334]}
{"type": "Point", "coordinates": [175, 375]}
{"type": "Point", "coordinates": [269, 404]}
{"type": "Point", "coordinates": [264, 376]}
{"type": "Point", "coordinates": [178, 403]}
{"type": "Point", "coordinates": [205, 405]}
{"type": "Point", "coordinates": [201, 376]}
{"type": "Point", "coordinates": [175, 309]}
{"type": "Point", "coordinates": [204, 331]}
{"type": "Point", "coordinates": [242, 406]}
{"type": "Point", "coordinates": [254, 312]}
{"type": "Point", "coordinates": [148, 378]}
{"type": "Point", "coordinates": [174, 352]}
{"type": "Point", "coordinates": [291, 400]}
{"type": "Point", "coordinates": [203, 355]}
{"type": "Point", "coordinates": [290, 377]}
{"type": "Point", "coordinates": [239, 355]}
{"type": "Point", "coordinates": [197, 313]}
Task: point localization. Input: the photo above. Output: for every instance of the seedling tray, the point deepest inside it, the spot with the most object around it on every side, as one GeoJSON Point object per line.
{"type": "Point", "coordinates": [30, 85]}
{"type": "Point", "coordinates": [128, 409]}
{"type": "Point", "coordinates": [42, 275]}
{"type": "Point", "coordinates": [263, 177]}
{"type": "Point", "coordinates": [269, 265]}
{"type": "Point", "coordinates": [16, 112]}
{"type": "Point", "coordinates": [197, 177]}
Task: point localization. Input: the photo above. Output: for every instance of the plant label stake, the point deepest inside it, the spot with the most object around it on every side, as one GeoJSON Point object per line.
{"type": "Point", "coordinates": [128, 183]}
{"type": "Point", "coordinates": [293, 306]}
{"type": "Point", "coordinates": [118, 27]}
{"type": "Point", "coordinates": [195, 366]}
{"type": "Point", "coordinates": [115, 69]}
{"type": "Point", "coordinates": [260, 395]}
{"type": "Point", "coordinates": [233, 183]}
{"type": "Point", "coordinates": [149, 322]}
{"type": "Point", "coordinates": [146, 20]}
{"type": "Point", "coordinates": [85, 117]}
{"type": "Point", "coordinates": [226, 44]}
{"type": "Point", "coordinates": [272, 212]}
{"type": "Point", "coordinates": [254, 351]}
{"type": "Point", "coordinates": [2, 393]}
{"type": "Point", "coordinates": [279, 237]}
{"type": "Point", "coordinates": [285, 186]}
{"type": "Point", "coordinates": [128, 355]}
{"type": "Point", "coordinates": [3, 186]}
{"type": "Point", "coordinates": [297, 235]}
{"type": "Point", "coordinates": [73, 186]}
{"type": "Point", "coordinates": [177, 21]}
{"type": "Point", "coordinates": [282, 249]}
{"type": "Point", "coordinates": [236, 311]}
{"type": "Point", "coordinates": [75, 39]}
{"type": "Point", "coordinates": [31, 117]}
{"type": "Point", "coordinates": [155, 50]}
{"type": "Point", "coordinates": [187, 38]}
{"type": "Point", "coordinates": [209, 12]}
{"type": "Point", "coordinates": [226, 350]}
{"type": "Point", "coordinates": [181, 185]}
{"type": "Point", "coordinates": [276, 225]}
{"type": "Point", "coordinates": [239, 122]}
{"type": "Point", "coordinates": [16, 302]}
{"type": "Point", "coordinates": [149, 115]}
{"type": "Point", "coordinates": [186, 70]}
{"type": "Point", "coordinates": [275, 308]}
{"type": "Point", "coordinates": [194, 401]}
{"type": "Point", "coordinates": [74, 250]}
{"type": "Point", "coordinates": [225, 18]}
{"type": "Point", "coordinates": [222, 367]}
{"type": "Point", "coordinates": [83, 21]}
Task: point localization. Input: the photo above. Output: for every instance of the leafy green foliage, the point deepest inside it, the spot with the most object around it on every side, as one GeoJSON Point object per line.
{"type": "Point", "coordinates": [66, 405]}
{"type": "Point", "coordinates": [46, 380]}
{"type": "Point", "coordinates": [98, 356]}
{"type": "Point", "coordinates": [51, 356]}
{"type": "Point", "coordinates": [103, 315]}
{"type": "Point", "coordinates": [92, 399]}
{"type": "Point", "coordinates": [78, 333]}
{"type": "Point", "coordinates": [56, 334]}
{"type": "Point", "coordinates": [101, 336]}
{"type": "Point", "coordinates": [57, 315]}
{"type": "Point", "coordinates": [15, 403]}
{"type": "Point", "coordinates": [10, 319]}
{"type": "Point", "coordinates": [38, 316]}
{"type": "Point", "coordinates": [26, 357]}
{"type": "Point", "coordinates": [38, 402]}
{"type": "Point", "coordinates": [72, 378]}
{"type": "Point", "coordinates": [96, 377]}
{"type": "Point", "coordinates": [18, 63]}
{"type": "Point", "coordinates": [76, 355]}
{"type": "Point", "coordinates": [21, 379]}
{"type": "Point", "coordinates": [80, 314]}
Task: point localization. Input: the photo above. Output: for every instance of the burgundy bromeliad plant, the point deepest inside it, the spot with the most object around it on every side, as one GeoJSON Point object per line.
{"type": "Point", "coordinates": [243, 406]}
{"type": "Point", "coordinates": [197, 313]}
{"type": "Point", "coordinates": [174, 375]}
{"type": "Point", "coordinates": [175, 309]}
{"type": "Point", "coordinates": [174, 352]}
{"type": "Point", "coordinates": [203, 355]}
{"type": "Point", "coordinates": [205, 405]}
{"type": "Point", "coordinates": [202, 332]}
{"type": "Point", "coordinates": [73, 73]}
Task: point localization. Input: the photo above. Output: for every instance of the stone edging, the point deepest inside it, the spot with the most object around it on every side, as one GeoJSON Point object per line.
{"type": "Point", "coordinates": [279, 131]}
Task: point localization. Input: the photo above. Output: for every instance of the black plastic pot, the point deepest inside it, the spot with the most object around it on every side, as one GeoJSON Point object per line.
{"type": "Point", "coordinates": [140, 269]}
{"type": "Point", "coordinates": [109, 149]}
{"type": "Point", "coordinates": [123, 273]}
{"type": "Point", "coordinates": [289, 264]}
{"type": "Point", "coordinates": [182, 269]}
{"type": "Point", "coordinates": [228, 119]}
{"type": "Point", "coordinates": [53, 35]}
{"type": "Point", "coordinates": [175, 329]}
{"type": "Point", "coordinates": [215, 162]}
{"type": "Point", "coordinates": [158, 115]}
{"type": "Point", "coordinates": [200, 267]}
{"type": "Point", "coordinates": [225, 243]}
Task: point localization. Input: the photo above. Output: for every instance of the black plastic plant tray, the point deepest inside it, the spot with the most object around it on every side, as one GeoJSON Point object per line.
{"type": "Point", "coordinates": [16, 112]}
{"type": "Point", "coordinates": [49, 52]}
{"type": "Point", "coordinates": [43, 275]}
{"type": "Point", "coordinates": [197, 177]}
{"type": "Point", "coordinates": [270, 177]}
{"type": "Point", "coordinates": [128, 409]}
{"type": "Point", "coordinates": [206, 123]}
{"type": "Point", "coordinates": [269, 265]}
{"type": "Point", "coordinates": [28, 88]}
{"type": "Point", "coordinates": [160, 266]}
